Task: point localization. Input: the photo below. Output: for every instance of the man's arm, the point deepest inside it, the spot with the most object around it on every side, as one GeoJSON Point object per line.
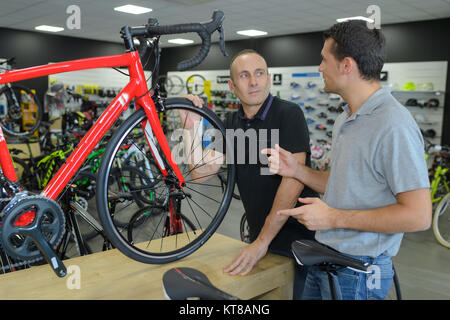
{"type": "Point", "coordinates": [286, 197]}
{"type": "Point", "coordinates": [412, 212]}
{"type": "Point", "coordinates": [283, 163]}
{"type": "Point", "coordinates": [202, 164]}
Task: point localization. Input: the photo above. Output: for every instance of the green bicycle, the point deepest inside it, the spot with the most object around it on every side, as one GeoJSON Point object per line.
{"type": "Point", "coordinates": [440, 193]}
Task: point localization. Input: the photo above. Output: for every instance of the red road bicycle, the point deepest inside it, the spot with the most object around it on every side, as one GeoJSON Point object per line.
{"type": "Point", "coordinates": [182, 211]}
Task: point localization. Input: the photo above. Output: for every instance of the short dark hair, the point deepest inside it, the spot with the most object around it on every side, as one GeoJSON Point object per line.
{"type": "Point", "coordinates": [242, 52]}
{"type": "Point", "coordinates": [366, 46]}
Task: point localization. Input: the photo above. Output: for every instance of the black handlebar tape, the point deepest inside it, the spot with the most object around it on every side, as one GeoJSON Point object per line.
{"type": "Point", "coordinates": [186, 28]}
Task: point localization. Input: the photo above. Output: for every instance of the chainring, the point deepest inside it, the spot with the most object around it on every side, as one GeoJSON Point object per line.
{"type": "Point", "coordinates": [27, 213]}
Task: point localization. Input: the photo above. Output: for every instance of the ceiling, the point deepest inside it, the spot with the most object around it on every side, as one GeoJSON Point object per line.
{"type": "Point", "coordinates": [278, 17]}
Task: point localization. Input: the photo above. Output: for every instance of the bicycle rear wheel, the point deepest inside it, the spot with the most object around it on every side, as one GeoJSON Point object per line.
{"type": "Point", "coordinates": [203, 201]}
{"type": "Point", "coordinates": [20, 111]}
{"type": "Point", "coordinates": [244, 229]}
{"type": "Point", "coordinates": [441, 222]}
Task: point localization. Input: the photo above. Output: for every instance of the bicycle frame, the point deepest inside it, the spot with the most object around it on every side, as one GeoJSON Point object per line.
{"type": "Point", "coordinates": [136, 88]}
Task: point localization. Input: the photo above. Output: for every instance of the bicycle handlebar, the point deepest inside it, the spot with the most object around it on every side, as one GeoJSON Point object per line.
{"type": "Point", "coordinates": [204, 30]}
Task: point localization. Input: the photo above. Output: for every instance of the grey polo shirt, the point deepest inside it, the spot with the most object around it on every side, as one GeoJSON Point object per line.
{"type": "Point", "coordinates": [377, 153]}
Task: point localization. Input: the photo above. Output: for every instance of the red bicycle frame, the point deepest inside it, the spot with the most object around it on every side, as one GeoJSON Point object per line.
{"type": "Point", "coordinates": [136, 88]}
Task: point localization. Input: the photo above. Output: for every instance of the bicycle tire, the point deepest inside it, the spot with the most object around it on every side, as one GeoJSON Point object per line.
{"type": "Point", "coordinates": [104, 199]}
{"type": "Point", "coordinates": [441, 222]}
{"type": "Point", "coordinates": [123, 178]}
{"type": "Point", "coordinates": [243, 229]}
{"type": "Point", "coordinates": [9, 127]}
{"type": "Point", "coordinates": [23, 173]}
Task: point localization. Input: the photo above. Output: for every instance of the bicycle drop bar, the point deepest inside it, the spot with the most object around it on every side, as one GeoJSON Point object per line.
{"type": "Point", "coordinates": [204, 30]}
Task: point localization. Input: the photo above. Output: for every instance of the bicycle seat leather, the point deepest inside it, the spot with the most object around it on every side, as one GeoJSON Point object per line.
{"type": "Point", "coordinates": [185, 283]}
{"type": "Point", "coordinates": [310, 252]}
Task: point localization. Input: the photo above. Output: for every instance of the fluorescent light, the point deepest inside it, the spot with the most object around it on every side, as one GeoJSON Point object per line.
{"type": "Point", "coordinates": [49, 28]}
{"type": "Point", "coordinates": [129, 8]}
{"type": "Point", "coordinates": [251, 33]}
{"type": "Point", "coordinates": [355, 18]}
{"type": "Point", "coordinates": [180, 41]}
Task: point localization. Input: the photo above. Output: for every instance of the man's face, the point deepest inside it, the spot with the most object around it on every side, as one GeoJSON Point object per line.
{"type": "Point", "coordinates": [250, 79]}
{"type": "Point", "coordinates": [330, 67]}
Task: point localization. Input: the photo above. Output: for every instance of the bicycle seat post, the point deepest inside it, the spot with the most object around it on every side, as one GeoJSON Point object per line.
{"type": "Point", "coordinates": [330, 270]}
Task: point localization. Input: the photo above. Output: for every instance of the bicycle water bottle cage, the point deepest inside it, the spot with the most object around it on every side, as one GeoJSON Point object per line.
{"type": "Point", "coordinates": [313, 253]}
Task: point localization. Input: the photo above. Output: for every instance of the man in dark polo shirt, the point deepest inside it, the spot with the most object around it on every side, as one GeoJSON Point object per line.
{"type": "Point", "coordinates": [272, 121]}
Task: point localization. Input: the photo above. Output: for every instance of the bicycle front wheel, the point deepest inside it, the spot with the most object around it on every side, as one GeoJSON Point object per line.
{"type": "Point", "coordinates": [20, 111]}
{"type": "Point", "coordinates": [441, 222]}
{"type": "Point", "coordinates": [187, 215]}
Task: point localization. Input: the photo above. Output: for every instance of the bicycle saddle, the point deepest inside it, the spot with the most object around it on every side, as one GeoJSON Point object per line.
{"type": "Point", "coordinates": [310, 252]}
{"type": "Point", "coordinates": [188, 283]}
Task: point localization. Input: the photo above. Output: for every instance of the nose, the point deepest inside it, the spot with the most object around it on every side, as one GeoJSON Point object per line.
{"type": "Point", "coordinates": [252, 81]}
{"type": "Point", "coordinates": [321, 67]}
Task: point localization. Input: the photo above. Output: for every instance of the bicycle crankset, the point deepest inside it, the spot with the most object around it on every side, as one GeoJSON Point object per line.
{"type": "Point", "coordinates": [31, 228]}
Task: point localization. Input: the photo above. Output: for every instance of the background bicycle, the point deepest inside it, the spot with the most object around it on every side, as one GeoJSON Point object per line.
{"type": "Point", "coordinates": [20, 109]}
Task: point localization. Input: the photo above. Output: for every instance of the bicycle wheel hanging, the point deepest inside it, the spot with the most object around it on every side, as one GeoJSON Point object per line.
{"type": "Point", "coordinates": [176, 221]}
{"type": "Point", "coordinates": [441, 222]}
{"type": "Point", "coordinates": [20, 111]}
{"type": "Point", "coordinates": [172, 85]}
{"type": "Point", "coordinates": [195, 84]}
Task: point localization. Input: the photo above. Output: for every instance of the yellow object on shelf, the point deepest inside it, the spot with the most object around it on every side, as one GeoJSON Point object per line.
{"type": "Point", "coordinates": [29, 111]}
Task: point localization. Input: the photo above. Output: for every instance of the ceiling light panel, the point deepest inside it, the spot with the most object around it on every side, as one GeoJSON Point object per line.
{"type": "Point", "coordinates": [49, 28]}
{"type": "Point", "coordinates": [180, 41]}
{"type": "Point", "coordinates": [252, 33]}
{"type": "Point", "coordinates": [129, 8]}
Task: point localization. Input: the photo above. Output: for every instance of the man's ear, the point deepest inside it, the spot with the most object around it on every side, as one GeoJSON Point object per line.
{"type": "Point", "coordinates": [347, 65]}
{"type": "Point", "coordinates": [231, 85]}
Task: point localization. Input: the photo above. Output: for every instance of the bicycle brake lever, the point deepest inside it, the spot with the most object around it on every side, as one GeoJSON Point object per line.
{"type": "Point", "coordinates": [222, 41]}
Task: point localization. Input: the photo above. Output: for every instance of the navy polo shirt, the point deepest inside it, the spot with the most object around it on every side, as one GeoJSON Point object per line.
{"type": "Point", "coordinates": [277, 122]}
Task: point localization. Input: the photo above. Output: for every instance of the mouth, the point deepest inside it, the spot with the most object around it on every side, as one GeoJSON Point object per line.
{"type": "Point", "coordinates": [254, 92]}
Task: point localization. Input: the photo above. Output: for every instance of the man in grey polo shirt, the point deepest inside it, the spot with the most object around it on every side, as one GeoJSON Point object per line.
{"type": "Point", "coordinates": [377, 187]}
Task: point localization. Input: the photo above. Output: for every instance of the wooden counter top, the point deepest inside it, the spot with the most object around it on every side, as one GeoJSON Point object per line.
{"type": "Point", "coordinates": [112, 275]}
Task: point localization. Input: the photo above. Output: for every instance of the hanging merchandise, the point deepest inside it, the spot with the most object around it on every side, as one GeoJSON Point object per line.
{"type": "Point", "coordinates": [320, 127]}
{"type": "Point", "coordinates": [54, 99]}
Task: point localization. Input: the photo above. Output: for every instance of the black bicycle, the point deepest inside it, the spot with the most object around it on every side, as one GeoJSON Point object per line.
{"type": "Point", "coordinates": [20, 110]}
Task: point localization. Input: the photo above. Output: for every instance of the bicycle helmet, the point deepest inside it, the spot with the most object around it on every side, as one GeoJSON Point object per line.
{"type": "Point", "coordinates": [320, 127]}
{"type": "Point", "coordinates": [411, 102]}
{"type": "Point", "coordinates": [432, 103]}
{"type": "Point", "coordinates": [409, 86]}
{"type": "Point", "coordinates": [430, 133]}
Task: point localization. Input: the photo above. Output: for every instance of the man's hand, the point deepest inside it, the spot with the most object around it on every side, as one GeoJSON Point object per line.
{"type": "Point", "coordinates": [281, 162]}
{"type": "Point", "coordinates": [190, 119]}
{"type": "Point", "coordinates": [314, 215]}
{"type": "Point", "coordinates": [247, 258]}
{"type": "Point", "coordinates": [196, 100]}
